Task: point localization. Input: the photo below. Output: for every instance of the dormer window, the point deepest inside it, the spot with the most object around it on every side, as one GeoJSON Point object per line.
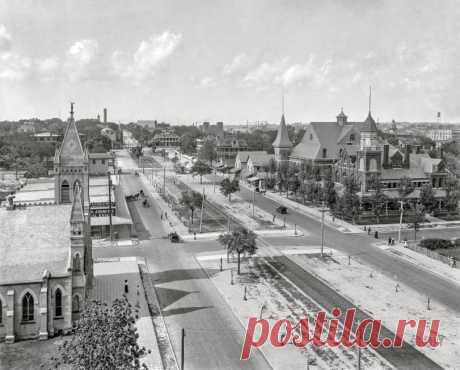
{"type": "Point", "coordinates": [324, 153]}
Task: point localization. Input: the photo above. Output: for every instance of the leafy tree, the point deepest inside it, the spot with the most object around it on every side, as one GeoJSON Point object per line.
{"type": "Point", "coordinates": [452, 195]}
{"type": "Point", "coordinates": [105, 338]}
{"type": "Point", "coordinates": [240, 241]}
{"type": "Point", "coordinates": [329, 193]}
{"type": "Point", "coordinates": [201, 168]}
{"type": "Point", "coordinates": [208, 152]}
{"type": "Point", "coordinates": [350, 201]}
{"type": "Point", "coordinates": [228, 187]}
{"type": "Point", "coordinates": [192, 200]}
{"type": "Point", "coordinates": [406, 187]}
{"type": "Point", "coordinates": [419, 217]}
{"type": "Point", "coordinates": [427, 198]}
{"type": "Point", "coordinates": [188, 144]}
{"type": "Point", "coordinates": [378, 199]}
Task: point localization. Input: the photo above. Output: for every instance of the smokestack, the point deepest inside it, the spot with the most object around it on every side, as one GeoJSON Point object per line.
{"type": "Point", "coordinates": [105, 115]}
{"type": "Point", "coordinates": [407, 156]}
{"type": "Point", "coordinates": [386, 154]}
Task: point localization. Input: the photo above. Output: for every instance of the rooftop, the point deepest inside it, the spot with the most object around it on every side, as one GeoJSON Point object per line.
{"type": "Point", "coordinates": [34, 239]}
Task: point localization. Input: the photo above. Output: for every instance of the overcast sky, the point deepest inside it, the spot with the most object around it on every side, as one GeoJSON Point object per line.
{"type": "Point", "coordinates": [187, 61]}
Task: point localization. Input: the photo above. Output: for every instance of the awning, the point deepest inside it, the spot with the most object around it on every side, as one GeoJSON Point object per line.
{"type": "Point", "coordinates": [254, 178]}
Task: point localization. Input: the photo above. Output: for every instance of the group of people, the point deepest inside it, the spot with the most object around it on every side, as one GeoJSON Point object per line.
{"type": "Point", "coordinates": [368, 229]}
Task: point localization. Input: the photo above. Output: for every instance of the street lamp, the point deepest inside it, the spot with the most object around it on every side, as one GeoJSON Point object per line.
{"type": "Point", "coordinates": [400, 221]}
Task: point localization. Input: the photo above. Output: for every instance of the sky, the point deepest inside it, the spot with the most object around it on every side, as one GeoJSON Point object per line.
{"type": "Point", "coordinates": [222, 60]}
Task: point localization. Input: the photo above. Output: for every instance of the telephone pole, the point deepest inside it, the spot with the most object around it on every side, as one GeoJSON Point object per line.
{"type": "Point", "coordinates": [110, 203]}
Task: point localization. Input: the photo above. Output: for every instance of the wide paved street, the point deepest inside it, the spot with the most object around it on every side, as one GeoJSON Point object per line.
{"type": "Point", "coordinates": [187, 298]}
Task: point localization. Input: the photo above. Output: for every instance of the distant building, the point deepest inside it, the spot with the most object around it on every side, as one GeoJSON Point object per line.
{"type": "Point", "coordinates": [101, 163]}
{"type": "Point", "coordinates": [440, 136]}
{"type": "Point", "coordinates": [252, 162]}
{"type": "Point", "coordinates": [228, 147]}
{"type": "Point", "coordinates": [47, 137]}
{"type": "Point", "coordinates": [166, 139]}
{"type": "Point", "coordinates": [109, 133]}
{"type": "Point", "coordinates": [27, 127]}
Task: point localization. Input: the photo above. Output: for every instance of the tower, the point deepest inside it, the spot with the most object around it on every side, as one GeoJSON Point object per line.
{"type": "Point", "coordinates": [78, 250]}
{"type": "Point", "coordinates": [341, 118]}
{"type": "Point", "coordinates": [71, 166]}
{"type": "Point", "coordinates": [369, 154]}
{"type": "Point", "coordinates": [282, 145]}
{"type": "Point", "coordinates": [105, 115]}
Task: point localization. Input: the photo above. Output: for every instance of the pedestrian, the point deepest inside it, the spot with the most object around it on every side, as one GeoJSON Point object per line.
{"type": "Point", "coordinates": [389, 241]}
{"type": "Point", "coordinates": [405, 243]}
{"type": "Point", "coordinates": [376, 235]}
{"type": "Point", "coordinates": [392, 241]}
{"type": "Point", "coordinates": [365, 228]}
{"type": "Point", "coordinates": [274, 218]}
{"type": "Point", "coordinates": [368, 231]}
{"type": "Point", "coordinates": [161, 216]}
{"type": "Point", "coordinates": [166, 215]}
{"type": "Point", "coordinates": [454, 261]}
{"type": "Point", "coordinates": [126, 287]}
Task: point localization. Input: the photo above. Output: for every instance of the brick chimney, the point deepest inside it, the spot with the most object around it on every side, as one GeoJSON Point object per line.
{"type": "Point", "coordinates": [407, 156]}
{"type": "Point", "coordinates": [386, 155]}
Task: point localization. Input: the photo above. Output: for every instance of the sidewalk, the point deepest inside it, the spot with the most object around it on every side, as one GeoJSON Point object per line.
{"type": "Point", "coordinates": [429, 264]}
{"type": "Point", "coordinates": [109, 280]}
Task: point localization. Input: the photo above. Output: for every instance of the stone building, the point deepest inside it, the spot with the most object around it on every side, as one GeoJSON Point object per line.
{"type": "Point", "coordinates": [45, 269]}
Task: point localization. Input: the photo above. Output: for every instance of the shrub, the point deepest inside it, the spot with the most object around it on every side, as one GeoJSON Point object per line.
{"type": "Point", "coordinates": [434, 243]}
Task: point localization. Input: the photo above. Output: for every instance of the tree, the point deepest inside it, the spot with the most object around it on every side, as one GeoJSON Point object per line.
{"type": "Point", "coordinates": [406, 187]}
{"type": "Point", "coordinates": [201, 168]}
{"type": "Point", "coordinates": [419, 217]}
{"type": "Point", "coordinates": [427, 198]}
{"type": "Point", "coordinates": [350, 201]}
{"type": "Point", "coordinates": [240, 241]}
{"type": "Point", "coordinates": [105, 338]}
{"type": "Point", "coordinates": [188, 144]}
{"type": "Point", "coordinates": [192, 200]}
{"type": "Point", "coordinates": [228, 187]}
{"type": "Point", "coordinates": [377, 199]}
{"type": "Point", "coordinates": [452, 195]}
{"type": "Point", "coordinates": [208, 152]}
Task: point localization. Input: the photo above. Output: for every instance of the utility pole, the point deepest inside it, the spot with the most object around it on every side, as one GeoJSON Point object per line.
{"type": "Point", "coordinates": [323, 209]}
{"type": "Point", "coordinates": [400, 221]}
{"type": "Point", "coordinates": [202, 209]}
{"type": "Point", "coordinates": [253, 200]}
{"type": "Point", "coordinates": [164, 179]}
{"type": "Point", "coordinates": [110, 203]}
{"type": "Point", "coordinates": [182, 350]}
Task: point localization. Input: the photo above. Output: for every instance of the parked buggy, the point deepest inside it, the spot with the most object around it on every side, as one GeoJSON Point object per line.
{"type": "Point", "coordinates": [174, 237]}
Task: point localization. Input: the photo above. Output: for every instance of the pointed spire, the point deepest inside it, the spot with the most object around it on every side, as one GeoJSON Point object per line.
{"type": "Point", "coordinates": [282, 137]}
{"type": "Point", "coordinates": [71, 151]}
{"type": "Point", "coordinates": [77, 214]}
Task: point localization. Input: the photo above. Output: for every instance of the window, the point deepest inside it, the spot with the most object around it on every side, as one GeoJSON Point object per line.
{"type": "Point", "coordinates": [103, 161]}
{"type": "Point", "coordinates": [76, 263]}
{"type": "Point", "coordinates": [27, 307]}
{"type": "Point", "coordinates": [94, 161]}
{"type": "Point", "coordinates": [352, 137]}
{"type": "Point", "coordinates": [58, 303]}
{"type": "Point", "coordinates": [324, 152]}
{"type": "Point", "coordinates": [76, 303]}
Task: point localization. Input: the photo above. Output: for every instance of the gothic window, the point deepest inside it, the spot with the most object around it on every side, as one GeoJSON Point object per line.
{"type": "Point", "coordinates": [65, 196]}
{"type": "Point", "coordinates": [324, 152]}
{"type": "Point", "coordinates": [76, 263]}
{"type": "Point", "coordinates": [58, 303]}
{"type": "Point", "coordinates": [76, 303]}
{"type": "Point", "coordinates": [27, 307]}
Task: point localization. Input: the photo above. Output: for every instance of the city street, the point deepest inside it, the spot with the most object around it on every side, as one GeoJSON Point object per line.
{"type": "Point", "coordinates": [187, 298]}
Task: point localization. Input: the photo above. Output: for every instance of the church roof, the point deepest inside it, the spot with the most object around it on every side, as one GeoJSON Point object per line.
{"type": "Point", "coordinates": [282, 137]}
{"type": "Point", "coordinates": [369, 124]}
{"type": "Point", "coordinates": [71, 151]}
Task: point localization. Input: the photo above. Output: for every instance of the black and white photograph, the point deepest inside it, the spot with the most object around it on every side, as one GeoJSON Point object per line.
{"type": "Point", "coordinates": [229, 184]}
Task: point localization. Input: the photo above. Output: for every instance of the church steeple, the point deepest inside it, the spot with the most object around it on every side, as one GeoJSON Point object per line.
{"type": "Point", "coordinates": [282, 144]}
{"type": "Point", "coordinates": [71, 151]}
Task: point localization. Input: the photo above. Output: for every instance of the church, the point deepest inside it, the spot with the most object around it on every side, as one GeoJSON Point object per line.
{"type": "Point", "coordinates": [46, 266]}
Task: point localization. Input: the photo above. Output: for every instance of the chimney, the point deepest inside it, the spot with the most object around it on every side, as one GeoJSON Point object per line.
{"type": "Point", "coordinates": [386, 154]}
{"type": "Point", "coordinates": [105, 115]}
{"type": "Point", "coordinates": [407, 156]}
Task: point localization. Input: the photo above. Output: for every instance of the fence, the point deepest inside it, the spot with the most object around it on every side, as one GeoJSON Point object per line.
{"type": "Point", "coordinates": [432, 254]}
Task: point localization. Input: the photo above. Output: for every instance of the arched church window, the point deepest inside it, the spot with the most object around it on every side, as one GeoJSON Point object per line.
{"type": "Point", "coordinates": [58, 303]}
{"type": "Point", "coordinates": [27, 307]}
{"type": "Point", "coordinates": [65, 195]}
{"type": "Point", "coordinates": [77, 263]}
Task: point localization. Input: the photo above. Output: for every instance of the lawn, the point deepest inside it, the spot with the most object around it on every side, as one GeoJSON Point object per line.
{"type": "Point", "coordinates": [29, 354]}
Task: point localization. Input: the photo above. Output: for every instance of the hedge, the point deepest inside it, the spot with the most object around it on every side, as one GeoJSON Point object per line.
{"type": "Point", "coordinates": [434, 243]}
